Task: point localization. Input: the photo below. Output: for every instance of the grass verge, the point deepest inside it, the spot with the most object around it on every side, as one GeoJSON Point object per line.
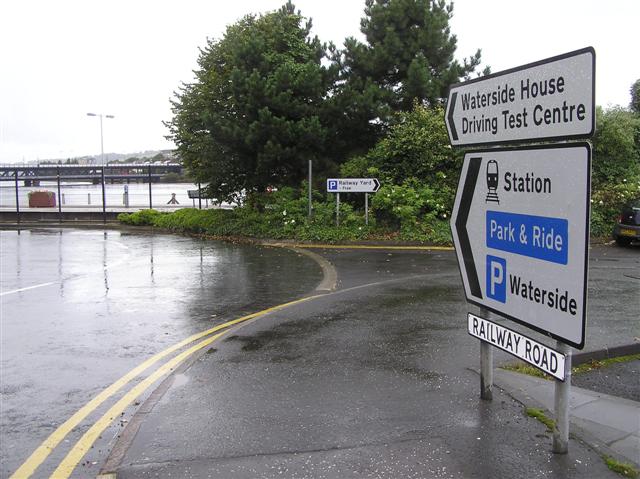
{"type": "Point", "coordinates": [624, 469]}
{"type": "Point", "coordinates": [541, 416]}
{"type": "Point", "coordinates": [524, 368]}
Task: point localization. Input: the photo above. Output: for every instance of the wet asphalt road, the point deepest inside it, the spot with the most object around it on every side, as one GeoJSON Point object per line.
{"type": "Point", "coordinates": [372, 381]}
{"type": "Point", "coordinates": [80, 308]}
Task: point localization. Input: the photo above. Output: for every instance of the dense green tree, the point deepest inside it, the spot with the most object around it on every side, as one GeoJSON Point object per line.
{"type": "Point", "coordinates": [616, 148]}
{"type": "Point", "coordinates": [635, 96]}
{"type": "Point", "coordinates": [408, 56]}
{"type": "Point", "coordinates": [256, 112]}
{"type": "Point", "coordinates": [416, 146]}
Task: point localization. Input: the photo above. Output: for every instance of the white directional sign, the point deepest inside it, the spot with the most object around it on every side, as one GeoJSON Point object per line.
{"type": "Point", "coordinates": [520, 225]}
{"type": "Point", "coordinates": [537, 354]}
{"type": "Point", "coordinates": [352, 185]}
{"type": "Point", "coordinates": [552, 98]}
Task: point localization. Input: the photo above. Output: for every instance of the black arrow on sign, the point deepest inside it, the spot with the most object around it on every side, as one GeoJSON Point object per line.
{"type": "Point", "coordinates": [452, 126]}
{"type": "Point", "coordinates": [376, 185]}
{"type": "Point", "coordinates": [461, 225]}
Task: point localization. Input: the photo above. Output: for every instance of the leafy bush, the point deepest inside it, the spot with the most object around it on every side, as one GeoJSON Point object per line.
{"type": "Point", "coordinates": [616, 167]}
{"type": "Point", "coordinates": [606, 204]}
{"type": "Point", "coordinates": [139, 218]}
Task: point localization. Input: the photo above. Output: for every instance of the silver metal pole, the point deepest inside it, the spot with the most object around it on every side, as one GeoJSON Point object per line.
{"type": "Point", "coordinates": [59, 195]}
{"type": "Point", "coordinates": [337, 209]}
{"type": "Point", "coordinates": [561, 404]}
{"type": "Point", "coordinates": [17, 197]}
{"type": "Point", "coordinates": [101, 142]}
{"type": "Point", "coordinates": [310, 178]}
{"type": "Point", "coordinates": [150, 203]}
{"type": "Point", "coordinates": [486, 364]}
{"type": "Point", "coordinates": [366, 208]}
{"type": "Point", "coordinates": [104, 198]}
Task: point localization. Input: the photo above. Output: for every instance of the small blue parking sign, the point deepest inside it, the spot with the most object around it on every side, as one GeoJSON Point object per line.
{"type": "Point", "coordinates": [496, 278]}
{"type": "Point", "coordinates": [332, 185]}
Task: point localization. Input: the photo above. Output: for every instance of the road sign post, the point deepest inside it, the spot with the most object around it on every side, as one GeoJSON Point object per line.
{"type": "Point", "coordinates": [352, 185]}
{"type": "Point", "coordinates": [486, 366]}
{"type": "Point", "coordinates": [562, 393]}
{"type": "Point", "coordinates": [520, 221]}
{"type": "Point", "coordinates": [366, 208]}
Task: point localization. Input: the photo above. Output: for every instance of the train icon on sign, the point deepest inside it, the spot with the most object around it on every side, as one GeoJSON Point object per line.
{"type": "Point", "coordinates": [492, 182]}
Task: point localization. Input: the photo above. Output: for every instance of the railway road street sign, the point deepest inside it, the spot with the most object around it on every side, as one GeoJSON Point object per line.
{"type": "Point", "coordinates": [520, 225]}
{"type": "Point", "coordinates": [551, 98]}
{"type": "Point", "coordinates": [537, 354]}
{"type": "Point", "coordinates": [352, 185]}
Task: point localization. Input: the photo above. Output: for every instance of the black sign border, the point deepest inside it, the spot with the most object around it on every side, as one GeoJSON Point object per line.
{"type": "Point", "coordinates": [587, 146]}
{"type": "Point", "coordinates": [525, 67]}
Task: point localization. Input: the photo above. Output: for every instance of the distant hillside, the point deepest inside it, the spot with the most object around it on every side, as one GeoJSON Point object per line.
{"type": "Point", "coordinates": [138, 157]}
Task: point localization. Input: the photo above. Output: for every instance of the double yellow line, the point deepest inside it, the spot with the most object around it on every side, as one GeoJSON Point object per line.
{"type": "Point", "coordinates": [69, 463]}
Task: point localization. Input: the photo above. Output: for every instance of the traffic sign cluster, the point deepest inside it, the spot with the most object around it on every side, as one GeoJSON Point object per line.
{"type": "Point", "coordinates": [520, 221]}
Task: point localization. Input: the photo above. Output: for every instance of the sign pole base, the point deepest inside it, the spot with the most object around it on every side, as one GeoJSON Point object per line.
{"type": "Point", "coordinates": [486, 366]}
{"type": "Point", "coordinates": [561, 405]}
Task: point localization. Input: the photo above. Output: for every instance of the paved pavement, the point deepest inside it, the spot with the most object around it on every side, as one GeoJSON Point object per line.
{"type": "Point", "coordinates": [609, 423]}
{"type": "Point", "coordinates": [376, 380]}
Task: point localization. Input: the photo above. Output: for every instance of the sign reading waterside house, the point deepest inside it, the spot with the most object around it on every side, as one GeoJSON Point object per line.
{"type": "Point", "coordinates": [552, 98]}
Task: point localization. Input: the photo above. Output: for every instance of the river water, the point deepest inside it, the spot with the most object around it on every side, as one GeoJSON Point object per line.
{"type": "Point", "coordinates": [133, 196]}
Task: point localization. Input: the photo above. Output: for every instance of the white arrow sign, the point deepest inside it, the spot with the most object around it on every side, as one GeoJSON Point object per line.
{"type": "Point", "coordinates": [352, 185]}
{"type": "Point", "coordinates": [552, 98]}
{"type": "Point", "coordinates": [520, 225]}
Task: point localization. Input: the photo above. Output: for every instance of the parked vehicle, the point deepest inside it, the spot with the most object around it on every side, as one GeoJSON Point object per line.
{"type": "Point", "coordinates": [628, 227]}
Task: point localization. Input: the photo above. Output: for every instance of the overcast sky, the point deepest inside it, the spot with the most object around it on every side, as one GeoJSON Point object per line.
{"type": "Point", "coordinates": [61, 59]}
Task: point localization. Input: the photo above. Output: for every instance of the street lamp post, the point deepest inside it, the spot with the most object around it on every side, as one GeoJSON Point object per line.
{"type": "Point", "coordinates": [101, 136]}
{"type": "Point", "coordinates": [104, 195]}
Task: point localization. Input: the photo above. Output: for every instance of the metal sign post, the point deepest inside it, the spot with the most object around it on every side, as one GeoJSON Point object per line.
{"type": "Point", "coordinates": [486, 366]}
{"type": "Point", "coordinates": [520, 222]}
{"type": "Point", "coordinates": [338, 209]}
{"type": "Point", "coordinates": [562, 393]}
{"type": "Point", "coordinates": [310, 182]}
{"type": "Point", "coordinates": [353, 185]}
{"type": "Point", "coordinates": [366, 209]}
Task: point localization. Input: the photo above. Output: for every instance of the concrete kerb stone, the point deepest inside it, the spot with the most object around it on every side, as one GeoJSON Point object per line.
{"type": "Point", "coordinates": [606, 353]}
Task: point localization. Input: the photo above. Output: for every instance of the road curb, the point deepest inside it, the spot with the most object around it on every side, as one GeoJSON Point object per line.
{"type": "Point", "coordinates": [605, 353]}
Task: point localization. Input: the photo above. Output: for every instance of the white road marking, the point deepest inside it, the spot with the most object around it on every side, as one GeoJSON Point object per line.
{"type": "Point", "coordinates": [5, 293]}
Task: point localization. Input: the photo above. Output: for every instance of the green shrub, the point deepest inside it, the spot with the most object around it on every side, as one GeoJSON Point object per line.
{"type": "Point", "coordinates": [607, 202]}
{"type": "Point", "coordinates": [139, 218]}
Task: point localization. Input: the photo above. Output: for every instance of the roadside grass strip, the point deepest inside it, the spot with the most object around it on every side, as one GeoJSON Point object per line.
{"type": "Point", "coordinates": [542, 417]}
{"type": "Point", "coordinates": [624, 469]}
{"type": "Point", "coordinates": [383, 247]}
{"type": "Point", "coordinates": [594, 364]}
{"type": "Point", "coordinates": [41, 453]}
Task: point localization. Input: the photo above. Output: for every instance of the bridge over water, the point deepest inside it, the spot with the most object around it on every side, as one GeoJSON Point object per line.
{"type": "Point", "coordinates": [32, 175]}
